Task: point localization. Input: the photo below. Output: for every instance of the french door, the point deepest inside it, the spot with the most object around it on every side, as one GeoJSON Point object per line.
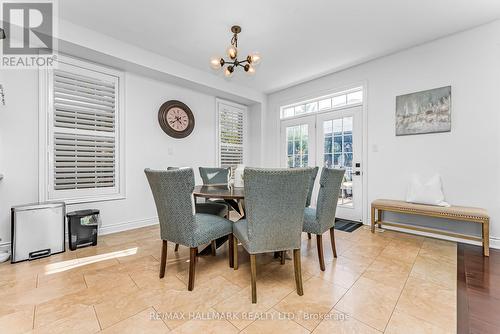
{"type": "Point", "coordinates": [333, 140]}
{"type": "Point", "coordinates": [298, 138]}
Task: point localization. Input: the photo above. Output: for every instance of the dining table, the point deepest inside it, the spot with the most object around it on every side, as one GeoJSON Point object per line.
{"type": "Point", "coordinates": [234, 196]}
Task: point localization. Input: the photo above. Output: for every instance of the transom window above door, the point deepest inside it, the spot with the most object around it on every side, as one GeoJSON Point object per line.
{"type": "Point", "coordinates": [346, 98]}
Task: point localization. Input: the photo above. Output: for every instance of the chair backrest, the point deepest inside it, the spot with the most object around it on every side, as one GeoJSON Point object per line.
{"type": "Point", "coordinates": [172, 191]}
{"type": "Point", "coordinates": [329, 189]}
{"type": "Point", "coordinates": [212, 175]}
{"type": "Point", "coordinates": [274, 204]}
{"type": "Point", "coordinates": [314, 173]}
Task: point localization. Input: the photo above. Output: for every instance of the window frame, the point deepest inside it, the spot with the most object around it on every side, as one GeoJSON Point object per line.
{"type": "Point", "coordinates": [317, 99]}
{"type": "Point", "coordinates": [244, 108]}
{"type": "Point", "coordinates": [46, 191]}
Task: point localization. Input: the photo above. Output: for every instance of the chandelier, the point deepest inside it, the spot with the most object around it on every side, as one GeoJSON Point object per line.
{"type": "Point", "coordinates": [248, 63]}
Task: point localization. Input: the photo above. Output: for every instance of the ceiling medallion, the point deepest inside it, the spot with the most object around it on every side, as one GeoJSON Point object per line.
{"type": "Point", "coordinates": [232, 51]}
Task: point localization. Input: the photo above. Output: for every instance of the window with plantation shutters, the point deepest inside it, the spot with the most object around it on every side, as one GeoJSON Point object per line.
{"type": "Point", "coordinates": [83, 137]}
{"type": "Point", "coordinates": [231, 119]}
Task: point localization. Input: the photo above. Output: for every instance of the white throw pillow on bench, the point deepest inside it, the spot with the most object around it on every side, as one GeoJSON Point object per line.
{"type": "Point", "coordinates": [430, 192]}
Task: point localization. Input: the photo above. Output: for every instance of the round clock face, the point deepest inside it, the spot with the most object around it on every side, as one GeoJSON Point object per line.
{"type": "Point", "coordinates": [176, 119]}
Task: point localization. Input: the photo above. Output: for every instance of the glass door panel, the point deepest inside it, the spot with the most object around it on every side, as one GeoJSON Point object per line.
{"type": "Point", "coordinates": [298, 138]}
{"type": "Point", "coordinates": [337, 153]}
{"type": "Point", "coordinates": [297, 145]}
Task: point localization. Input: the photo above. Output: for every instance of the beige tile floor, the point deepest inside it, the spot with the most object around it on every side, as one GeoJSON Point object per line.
{"type": "Point", "coordinates": [385, 282]}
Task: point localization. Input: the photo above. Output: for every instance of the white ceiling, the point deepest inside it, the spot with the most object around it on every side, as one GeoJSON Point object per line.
{"type": "Point", "coordinates": [298, 39]}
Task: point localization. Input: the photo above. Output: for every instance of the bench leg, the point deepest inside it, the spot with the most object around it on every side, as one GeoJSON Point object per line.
{"type": "Point", "coordinates": [379, 218]}
{"type": "Point", "coordinates": [373, 220]}
{"type": "Point", "coordinates": [486, 238]}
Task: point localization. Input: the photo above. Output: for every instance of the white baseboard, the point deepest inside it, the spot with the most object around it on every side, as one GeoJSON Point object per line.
{"type": "Point", "coordinates": [129, 225]}
{"type": "Point", "coordinates": [494, 241]}
{"type": "Point", "coordinates": [107, 229]}
{"type": "Point", "coordinates": [5, 246]}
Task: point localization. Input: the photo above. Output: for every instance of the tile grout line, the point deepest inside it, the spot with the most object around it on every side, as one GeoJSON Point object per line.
{"type": "Point", "coordinates": [85, 280]}
{"type": "Point", "coordinates": [402, 290]}
{"type": "Point", "coordinates": [135, 283]}
{"type": "Point", "coordinates": [34, 315]}
{"type": "Point", "coordinates": [97, 317]}
{"type": "Point", "coordinates": [162, 319]}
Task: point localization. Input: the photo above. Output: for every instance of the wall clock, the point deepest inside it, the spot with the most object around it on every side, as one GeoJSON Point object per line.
{"type": "Point", "coordinates": [176, 119]}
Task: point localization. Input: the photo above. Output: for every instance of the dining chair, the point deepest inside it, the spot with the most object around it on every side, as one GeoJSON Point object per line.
{"type": "Point", "coordinates": [274, 200]}
{"type": "Point", "coordinates": [179, 223]}
{"type": "Point", "coordinates": [218, 175]}
{"type": "Point", "coordinates": [211, 208]}
{"type": "Point", "coordinates": [314, 173]}
{"type": "Point", "coordinates": [214, 175]}
{"type": "Point", "coordinates": [322, 218]}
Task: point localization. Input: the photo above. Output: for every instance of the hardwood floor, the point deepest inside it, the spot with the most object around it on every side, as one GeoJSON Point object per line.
{"type": "Point", "coordinates": [478, 290]}
{"type": "Point", "coordinates": [383, 282]}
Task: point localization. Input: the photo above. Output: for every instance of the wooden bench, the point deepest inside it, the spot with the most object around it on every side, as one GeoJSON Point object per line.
{"type": "Point", "coordinates": [474, 215]}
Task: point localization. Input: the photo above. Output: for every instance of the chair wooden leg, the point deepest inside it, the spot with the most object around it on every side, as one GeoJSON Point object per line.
{"type": "Point", "coordinates": [231, 251]}
{"type": "Point", "coordinates": [235, 250]}
{"type": "Point", "coordinates": [298, 271]}
{"type": "Point", "coordinates": [176, 247]}
{"type": "Point", "coordinates": [319, 244]}
{"type": "Point", "coordinates": [192, 266]}
{"type": "Point", "coordinates": [213, 247]}
{"type": "Point", "coordinates": [253, 269]}
{"type": "Point", "coordinates": [282, 254]}
{"type": "Point", "coordinates": [309, 236]}
{"type": "Point", "coordinates": [163, 262]}
{"type": "Point", "coordinates": [332, 238]}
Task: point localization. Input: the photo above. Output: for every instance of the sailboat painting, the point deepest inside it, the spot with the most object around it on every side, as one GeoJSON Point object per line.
{"type": "Point", "coordinates": [428, 111]}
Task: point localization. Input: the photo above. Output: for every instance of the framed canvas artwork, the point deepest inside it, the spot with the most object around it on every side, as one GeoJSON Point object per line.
{"type": "Point", "coordinates": [427, 111]}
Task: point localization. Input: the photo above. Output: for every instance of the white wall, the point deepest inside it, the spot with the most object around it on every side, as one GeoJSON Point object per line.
{"type": "Point", "coordinates": [467, 157]}
{"type": "Point", "coordinates": [146, 145]}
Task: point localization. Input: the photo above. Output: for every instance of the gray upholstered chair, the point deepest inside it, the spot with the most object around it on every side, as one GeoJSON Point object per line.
{"type": "Point", "coordinates": [274, 200]}
{"type": "Point", "coordinates": [173, 194]}
{"type": "Point", "coordinates": [322, 218]}
{"type": "Point", "coordinates": [211, 208]}
{"type": "Point", "coordinates": [314, 173]}
{"type": "Point", "coordinates": [211, 175]}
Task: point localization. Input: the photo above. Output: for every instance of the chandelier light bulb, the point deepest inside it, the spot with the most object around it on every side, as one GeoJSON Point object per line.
{"type": "Point", "coordinates": [249, 69]}
{"type": "Point", "coordinates": [228, 72]}
{"type": "Point", "coordinates": [255, 58]}
{"type": "Point", "coordinates": [216, 62]}
{"type": "Point", "coordinates": [232, 52]}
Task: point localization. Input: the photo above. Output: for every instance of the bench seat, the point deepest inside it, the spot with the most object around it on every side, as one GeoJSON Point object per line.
{"type": "Point", "coordinates": [462, 213]}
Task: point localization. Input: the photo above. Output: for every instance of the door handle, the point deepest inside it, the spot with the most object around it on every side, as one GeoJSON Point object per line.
{"type": "Point", "coordinates": [357, 173]}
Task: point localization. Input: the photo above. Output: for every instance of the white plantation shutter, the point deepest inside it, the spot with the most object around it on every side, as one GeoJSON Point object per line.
{"type": "Point", "coordinates": [231, 135]}
{"type": "Point", "coordinates": [83, 136]}
{"type": "Point", "coordinates": [82, 161]}
{"type": "Point", "coordinates": [83, 103]}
